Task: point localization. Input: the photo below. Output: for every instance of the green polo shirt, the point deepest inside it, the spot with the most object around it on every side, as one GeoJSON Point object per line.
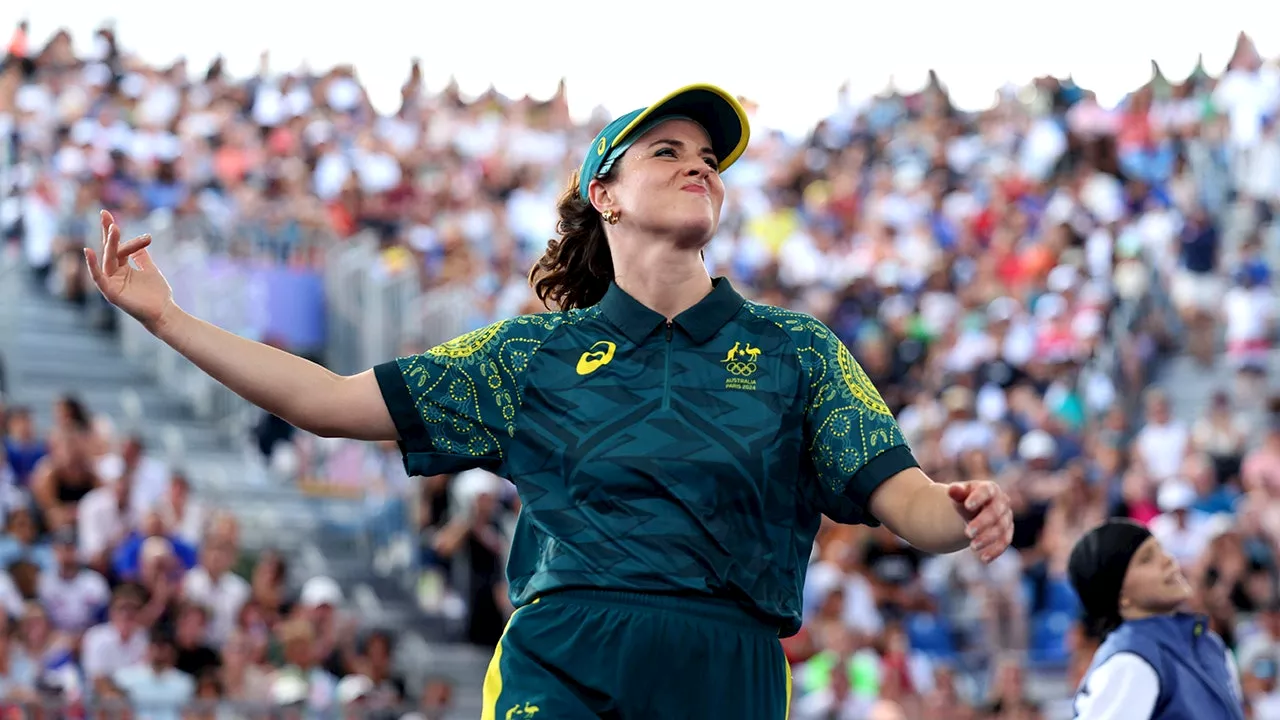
{"type": "Point", "coordinates": [695, 456]}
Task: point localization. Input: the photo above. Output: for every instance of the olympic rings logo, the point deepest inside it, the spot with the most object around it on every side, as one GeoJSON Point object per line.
{"type": "Point", "coordinates": [741, 369]}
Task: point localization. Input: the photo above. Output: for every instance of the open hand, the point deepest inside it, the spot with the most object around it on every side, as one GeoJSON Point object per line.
{"type": "Point", "coordinates": [136, 287]}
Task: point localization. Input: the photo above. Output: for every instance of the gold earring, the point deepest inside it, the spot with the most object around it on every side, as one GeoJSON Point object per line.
{"type": "Point", "coordinates": [611, 216]}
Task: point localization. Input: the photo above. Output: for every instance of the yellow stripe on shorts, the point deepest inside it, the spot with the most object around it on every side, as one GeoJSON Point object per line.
{"type": "Point", "coordinates": [787, 716]}
{"type": "Point", "coordinates": [493, 675]}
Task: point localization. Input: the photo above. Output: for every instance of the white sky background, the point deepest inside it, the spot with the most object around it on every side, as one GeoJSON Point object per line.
{"type": "Point", "coordinates": [789, 56]}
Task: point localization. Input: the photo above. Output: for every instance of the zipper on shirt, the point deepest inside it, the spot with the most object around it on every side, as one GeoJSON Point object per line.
{"type": "Point", "coordinates": [666, 372]}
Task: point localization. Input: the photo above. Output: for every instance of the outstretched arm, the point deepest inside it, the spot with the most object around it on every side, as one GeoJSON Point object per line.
{"type": "Point", "coordinates": [299, 391]}
{"type": "Point", "coordinates": [941, 518]}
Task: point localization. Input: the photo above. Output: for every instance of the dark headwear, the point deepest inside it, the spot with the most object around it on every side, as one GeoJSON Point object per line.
{"type": "Point", "coordinates": [1097, 568]}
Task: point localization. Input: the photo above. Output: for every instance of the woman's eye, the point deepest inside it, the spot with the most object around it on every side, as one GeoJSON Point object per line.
{"type": "Point", "coordinates": [666, 152]}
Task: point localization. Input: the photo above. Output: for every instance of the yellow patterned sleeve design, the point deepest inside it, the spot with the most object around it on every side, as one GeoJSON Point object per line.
{"type": "Point", "coordinates": [466, 392]}
{"type": "Point", "coordinates": [852, 442]}
{"type": "Point", "coordinates": [847, 423]}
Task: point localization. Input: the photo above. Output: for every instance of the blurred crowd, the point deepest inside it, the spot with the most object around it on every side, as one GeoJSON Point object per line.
{"type": "Point", "coordinates": [117, 585]}
{"type": "Point", "coordinates": [1010, 279]}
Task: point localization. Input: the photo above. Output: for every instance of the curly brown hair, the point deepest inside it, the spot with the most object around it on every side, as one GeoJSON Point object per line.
{"type": "Point", "coordinates": [577, 267]}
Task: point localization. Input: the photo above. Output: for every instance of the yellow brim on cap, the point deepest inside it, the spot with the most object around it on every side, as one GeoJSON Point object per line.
{"type": "Point", "coordinates": [719, 113]}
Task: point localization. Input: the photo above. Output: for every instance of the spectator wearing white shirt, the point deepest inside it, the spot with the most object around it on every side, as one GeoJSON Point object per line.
{"type": "Point", "coordinates": [102, 521]}
{"type": "Point", "coordinates": [318, 686]}
{"type": "Point", "coordinates": [11, 602]}
{"type": "Point", "coordinates": [118, 643]}
{"type": "Point", "coordinates": [73, 595]}
{"type": "Point", "coordinates": [1162, 443]}
{"type": "Point", "coordinates": [963, 431]}
{"type": "Point", "coordinates": [212, 585]}
{"type": "Point", "coordinates": [1249, 311]}
{"type": "Point", "coordinates": [1184, 533]}
{"type": "Point", "coordinates": [156, 689]}
{"type": "Point", "coordinates": [182, 516]}
{"type": "Point", "coordinates": [859, 609]}
{"type": "Point", "coordinates": [148, 476]}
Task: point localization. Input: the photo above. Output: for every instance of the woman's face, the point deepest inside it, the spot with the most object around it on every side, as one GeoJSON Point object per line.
{"type": "Point", "coordinates": [667, 184]}
{"type": "Point", "coordinates": [1154, 583]}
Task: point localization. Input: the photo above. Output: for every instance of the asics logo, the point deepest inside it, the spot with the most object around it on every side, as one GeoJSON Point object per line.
{"type": "Point", "coordinates": [597, 357]}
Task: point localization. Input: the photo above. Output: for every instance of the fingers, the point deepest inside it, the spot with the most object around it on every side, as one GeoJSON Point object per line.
{"type": "Point", "coordinates": [95, 272]}
{"type": "Point", "coordinates": [993, 540]}
{"type": "Point", "coordinates": [991, 529]}
{"type": "Point", "coordinates": [143, 258]}
{"type": "Point", "coordinates": [978, 497]}
{"type": "Point", "coordinates": [958, 492]}
{"type": "Point", "coordinates": [111, 250]}
{"type": "Point", "coordinates": [133, 246]}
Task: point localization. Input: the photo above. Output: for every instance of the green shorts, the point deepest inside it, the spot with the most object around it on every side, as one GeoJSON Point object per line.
{"type": "Point", "coordinates": [588, 654]}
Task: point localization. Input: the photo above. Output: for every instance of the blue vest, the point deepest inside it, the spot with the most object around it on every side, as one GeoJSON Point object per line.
{"type": "Point", "coordinates": [1189, 658]}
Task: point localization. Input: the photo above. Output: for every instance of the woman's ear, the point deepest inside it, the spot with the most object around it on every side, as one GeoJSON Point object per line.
{"type": "Point", "coordinates": [599, 195]}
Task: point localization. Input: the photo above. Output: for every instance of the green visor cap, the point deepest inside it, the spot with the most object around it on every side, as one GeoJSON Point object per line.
{"type": "Point", "coordinates": [718, 112]}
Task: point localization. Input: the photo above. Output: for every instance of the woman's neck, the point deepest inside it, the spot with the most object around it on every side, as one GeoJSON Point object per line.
{"type": "Point", "coordinates": [663, 280]}
{"type": "Point", "coordinates": [1145, 613]}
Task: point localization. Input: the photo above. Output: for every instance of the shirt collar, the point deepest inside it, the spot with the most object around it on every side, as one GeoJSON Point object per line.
{"type": "Point", "coordinates": [1193, 624]}
{"type": "Point", "coordinates": [701, 322]}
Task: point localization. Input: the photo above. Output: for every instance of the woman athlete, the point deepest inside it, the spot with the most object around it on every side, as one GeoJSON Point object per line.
{"type": "Point", "coordinates": [674, 445]}
{"type": "Point", "coordinates": [1155, 661]}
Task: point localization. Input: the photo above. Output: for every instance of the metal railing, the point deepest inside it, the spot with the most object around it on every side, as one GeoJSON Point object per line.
{"type": "Point", "coordinates": [363, 324]}
{"type": "Point", "coordinates": [367, 304]}
{"type": "Point", "coordinates": [207, 285]}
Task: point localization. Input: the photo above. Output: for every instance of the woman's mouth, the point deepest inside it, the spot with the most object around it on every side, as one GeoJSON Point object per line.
{"type": "Point", "coordinates": [694, 188]}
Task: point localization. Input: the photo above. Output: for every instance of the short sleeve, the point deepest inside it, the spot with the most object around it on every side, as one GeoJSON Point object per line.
{"type": "Point", "coordinates": [455, 405]}
{"type": "Point", "coordinates": [854, 441]}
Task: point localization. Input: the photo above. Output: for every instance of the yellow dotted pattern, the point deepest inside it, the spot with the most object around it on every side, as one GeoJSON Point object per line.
{"type": "Point", "coordinates": [468, 389]}
{"type": "Point", "coordinates": [852, 422]}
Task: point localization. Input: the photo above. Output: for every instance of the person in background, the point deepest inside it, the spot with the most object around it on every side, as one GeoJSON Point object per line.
{"type": "Point", "coordinates": [74, 595]}
{"type": "Point", "coordinates": [213, 585]}
{"type": "Point", "coordinates": [190, 632]}
{"type": "Point", "coordinates": [23, 448]}
{"type": "Point", "coordinates": [119, 642]}
{"type": "Point", "coordinates": [17, 671]}
{"type": "Point", "coordinates": [126, 561]}
{"type": "Point", "coordinates": [1154, 661]}
{"type": "Point", "coordinates": [61, 479]}
{"type": "Point", "coordinates": [184, 517]}
{"type": "Point", "coordinates": [388, 686]}
{"type": "Point", "coordinates": [156, 689]}
{"type": "Point", "coordinates": [21, 543]}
